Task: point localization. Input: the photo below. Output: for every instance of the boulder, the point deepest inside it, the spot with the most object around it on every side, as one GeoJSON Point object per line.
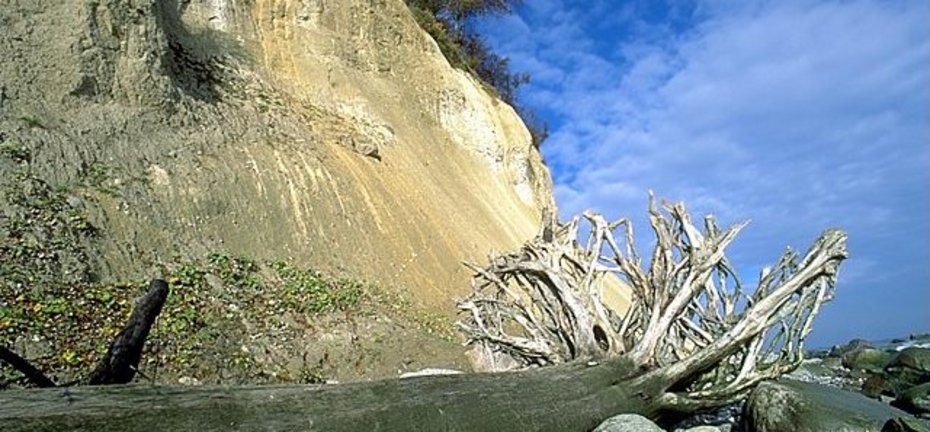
{"type": "Point", "coordinates": [905, 424]}
{"type": "Point", "coordinates": [816, 353]}
{"type": "Point", "coordinates": [832, 362]}
{"type": "Point", "coordinates": [869, 359]}
{"type": "Point", "coordinates": [914, 358]}
{"type": "Point", "coordinates": [853, 345]}
{"type": "Point", "coordinates": [915, 400]}
{"type": "Point", "coordinates": [911, 366]}
{"type": "Point", "coordinates": [823, 371]}
{"type": "Point", "coordinates": [876, 386]}
{"type": "Point", "coordinates": [794, 406]}
{"type": "Point", "coordinates": [628, 423]}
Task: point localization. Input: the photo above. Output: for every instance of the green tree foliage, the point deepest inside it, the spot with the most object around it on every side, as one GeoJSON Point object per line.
{"type": "Point", "coordinates": [447, 22]}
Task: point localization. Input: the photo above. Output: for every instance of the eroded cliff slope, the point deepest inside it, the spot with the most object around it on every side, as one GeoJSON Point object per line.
{"type": "Point", "coordinates": [165, 138]}
{"type": "Point", "coordinates": [323, 132]}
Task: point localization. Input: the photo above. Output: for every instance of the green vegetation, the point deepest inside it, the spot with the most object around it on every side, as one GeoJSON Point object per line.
{"type": "Point", "coordinates": [210, 302]}
{"type": "Point", "coordinates": [32, 122]}
{"type": "Point", "coordinates": [45, 237]}
{"type": "Point", "coordinates": [447, 22]}
{"type": "Point", "coordinates": [97, 176]}
{"type": "Point", "coordinates": [14, 151]}
{"type": "Point", "coordinates": [311, 292]}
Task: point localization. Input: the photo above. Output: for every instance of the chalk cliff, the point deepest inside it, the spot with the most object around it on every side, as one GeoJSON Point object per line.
{"type": "Point", "coordinates": [329, 133]}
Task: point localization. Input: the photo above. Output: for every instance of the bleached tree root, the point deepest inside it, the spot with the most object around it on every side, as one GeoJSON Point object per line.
{"type": "Point", "coordinates": [690, 319]}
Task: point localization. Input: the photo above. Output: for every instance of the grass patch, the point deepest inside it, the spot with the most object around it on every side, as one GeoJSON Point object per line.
{"type": "Point", "coordinates": [209, 302]}
{"type": "Point", "coordinates": [32, 122]}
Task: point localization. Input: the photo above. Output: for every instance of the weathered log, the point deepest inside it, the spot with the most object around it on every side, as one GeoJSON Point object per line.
{"type": "Point", "coordinates": [568, 397]}
{"type": "Point", "coordinates": [120, 363]}
{"type": "Point", "coordinates": [683, 347]}
{"type": "Point", "coordinates": [32, 374]}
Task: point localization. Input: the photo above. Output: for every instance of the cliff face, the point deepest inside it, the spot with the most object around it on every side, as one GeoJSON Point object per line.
{"type": "Point", "coordinates": [329, 133]}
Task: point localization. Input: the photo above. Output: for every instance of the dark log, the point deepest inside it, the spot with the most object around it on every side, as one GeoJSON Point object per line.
{"type": "Point", "coordinates": [120, 363]}
{"type": "Point", "coordinates": [564, 398]}
{"type": "Point", "coordinates": [33, 374]}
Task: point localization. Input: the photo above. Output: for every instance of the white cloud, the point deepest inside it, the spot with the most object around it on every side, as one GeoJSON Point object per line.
{"type": "Point", "coordinates": [799, 114]}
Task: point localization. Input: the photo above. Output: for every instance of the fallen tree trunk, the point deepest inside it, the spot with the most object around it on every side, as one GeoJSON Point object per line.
{"type": "Point", "coordinates": [120, 363]}
{"type": "Point", "coordinates": [569, 397]}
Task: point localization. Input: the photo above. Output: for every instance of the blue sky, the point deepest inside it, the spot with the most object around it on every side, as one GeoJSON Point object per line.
{"type": "Point", "coordinates": [798, 115]}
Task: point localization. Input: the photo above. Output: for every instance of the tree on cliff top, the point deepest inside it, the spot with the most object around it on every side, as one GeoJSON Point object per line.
{"type": "Point", "coordinates": [447, 22]}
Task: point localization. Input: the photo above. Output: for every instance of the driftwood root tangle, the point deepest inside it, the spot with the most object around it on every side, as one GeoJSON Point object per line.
{"type": "Point", "coordinates": [690, 317]}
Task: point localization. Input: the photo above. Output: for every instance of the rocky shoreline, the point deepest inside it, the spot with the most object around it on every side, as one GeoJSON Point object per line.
{"type": "Point", "coordinates": [858, 386]}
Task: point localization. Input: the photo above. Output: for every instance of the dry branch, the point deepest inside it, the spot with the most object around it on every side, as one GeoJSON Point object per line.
{"type": "Point", "coordinates": [121, 361]}
{"type": "Point", "coordinates": [32, 373]}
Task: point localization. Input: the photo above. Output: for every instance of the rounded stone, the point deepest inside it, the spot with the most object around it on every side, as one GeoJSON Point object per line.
{"type": "Point", "coordinates": [915, 400]}
{"type": "Point", "coordinates": [917, 359]}
{"type": "Point", "coordinates": [794, 406]}
{"type": "Point", "coordinates": [869, 359]}
{"type": "Point", "coordinates": [628, 423]}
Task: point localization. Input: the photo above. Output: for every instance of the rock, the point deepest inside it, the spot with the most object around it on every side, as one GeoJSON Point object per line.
{"type": "Point", "coordinates": [905, 424]}
{"type": "Point", "coordinates": [911, 366]}
{"type": "Point", "coordinates": [915, 400]}
{"type": "Point", "coordinates": [914, 358]}
{"type": "Point", "coordinates": [628, 423]}
{"type": "Point", "coordinates": [75, 202]}
{"type": "Point", "coordinates": [853, 345]}
{"type": "Point", "coordinates": [823, 371]}
{"type": "Point", "coordinates": [794, 406]}
{"type": "Point", "coordinates": [832, 362]}
{"type": "Point", "coordinates": [815, 370]}
{"type": "Point", "coordinates": [723, 416]}
{"type": "Point", "coordinates": [877, 385]}
{"type": "Point", "coordinates": [868, 359]}
{"type": "Point", "coordinates": [702, 429]}
{"type": "Point", "coordinates": [33, 347]}
{"type": "Point", "coordinates": [816, 353]}
{"type": "Point", "coordinates": [188, 381]}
